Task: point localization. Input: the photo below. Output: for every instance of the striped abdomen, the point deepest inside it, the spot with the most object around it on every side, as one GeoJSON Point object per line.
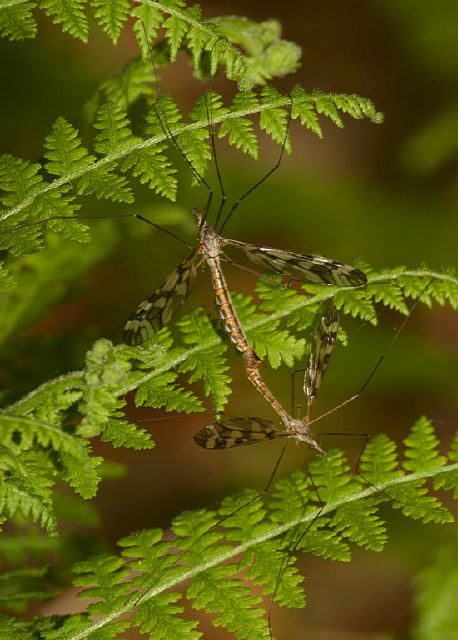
{"type": "Point", "coordinates": [225, 307]}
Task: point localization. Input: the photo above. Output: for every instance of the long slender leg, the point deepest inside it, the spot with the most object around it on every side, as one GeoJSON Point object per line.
{"type": "Point", "coordinates": [110, 217]}
{"type": "Point", "coordinates": [238, 338]}
{"type": "Point", "coordinates": [379, 362]}
{"type": "Point", "coordinates": [260, 181]}
{"type": "Point", "coordinates": [215, 160]}
{"type": "Point", "coordinates": [162, 121]}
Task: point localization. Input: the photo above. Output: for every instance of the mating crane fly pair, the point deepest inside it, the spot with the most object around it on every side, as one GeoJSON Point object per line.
{"type": "Point", "coordinates": [158, 309]}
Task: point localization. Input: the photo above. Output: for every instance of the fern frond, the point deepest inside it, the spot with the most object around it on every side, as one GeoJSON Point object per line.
{"type": "Point", "coordinates": [268, 340]}
{"type": "Point", "coordinates": [269, 55]}
{"type": "Point", "coordinates": [111, 16]}
{"type": "Point", "coordinates": [220, 555]}
{"type": "Point", "coordinates": [239, 131]}
{"type": "Point", "coordinates": [17, 21]}
{"type": "Point", "coordinates": [70, 14]}
{"type": "Point", "coordinates": [209, 366]}
{"type": "Point", "coordinates": [25, 487]}
{"type": "Point", "coordinates": [29, 198]}
{"type": "Point", "coordinates": [11, 628]}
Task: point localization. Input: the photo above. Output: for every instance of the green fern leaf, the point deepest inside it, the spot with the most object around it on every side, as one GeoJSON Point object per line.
{"type": "Point", "coordinates": [111, 15]}
{"type": "Point", "coordinates": [275, 121]}
{"type": "Point", "coordinates": [20, 181]}
{"type": "Point", "coordinates": [278, 298]}
{"type": "Point", "coordinates": [379, 464]}
{"type": "Point", "coordinates": [322, 542]}
{"type": "Point", "coordinates": [12, 629]}
{"type": "Point", "coordinates": [161, 618]}
{"type": "Point", "coordinates": [413, 501]}
{"type": "Point", "coordinates": [268, 55]}
{"type": "Point", "coordinates": [359, 523]}
{"type": "Point", "coordinates": [421, 447]}
{"type": "Point", "coordinates": [176, 29]}
{"type": "Point", "coordinates": [161, 392]}
{"type": "Point", "coordinates": [163, 116]}
{"type": "Point", "coordinates": [79, 468]}
{"type": "Point", "coordinates": [69, 13]}
{"type": "Point", "coordinates": [104, 578]}
{"type": "Point", "coordinates": [197, 535]}
{"type": "Point", "coordinates": [65, 152]}
{"type": "Point", "coordinates": [208, 107]}
{"type": "Point", "coordinates": [114, 129]}
{"type": "Point", "coordinates": [208, 365]}
{"type": "Point", "coordinates": [82, 473]}
{"type": "Point", "coordinates": [449, 482]}
{"type": "Point", "coordinates": [149, 556]}
{"type": "Point", "coordinates": [214, 591]}
{"type": "Point", "coordinates": [152, 166]}
{"type": "Point", "coordinates": [239, 129]}
{"type": "Point", "coordinates": [325, 104]}
{"type": "Point", "coordinates": [147, 23]}
{"type": "Point", "coordinates": [17, 21]}
{"type": "Point", "coordinates": [304, 109]}
{"type": "Point", "coordinates": [356, 303]}
{"type": "Point", "coordinates": [378, 461]}
{"type": "Point", "coordinates": [292, 497]}
{"type": "Point", "coordinates": [267, 566]}
{"type": "Point", "coordinates": [25, 487]}
{"type": "Point", "coordinates": [18, 178]}
{"type": "Point", "coordinates": [268, 340]}
{"type": "Point", "coordinates": [104, 183]}
{"type": "Point", "coordinates": [243, 515]}
{"type": "Point", "coordinates": [122, 433]}
{"type": "Point", "coordinates": [390, 295]}
{"type": "Point", "coordinates": [446, 290]}
{"type": "Point", "coordinates": [197, 43]}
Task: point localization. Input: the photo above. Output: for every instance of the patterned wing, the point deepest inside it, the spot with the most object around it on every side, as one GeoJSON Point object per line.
{"type": "Point", "coordinates": [157, 310]}
{"type": "Point", "coordinates": [302, 266]}
{"type": "Point", "coordinates": [236, 432]}
{"type": "Point", "coordinates": [322, 347]}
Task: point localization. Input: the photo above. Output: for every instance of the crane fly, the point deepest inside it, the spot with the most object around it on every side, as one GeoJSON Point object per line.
{"type": "Point", "coordinates": [157, 310]}
{"type": "Point", "coordinates": [236, 432]}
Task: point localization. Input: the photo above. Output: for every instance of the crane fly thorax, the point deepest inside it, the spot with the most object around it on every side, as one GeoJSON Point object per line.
{"type": "Point", "coordinates": [209, 242]}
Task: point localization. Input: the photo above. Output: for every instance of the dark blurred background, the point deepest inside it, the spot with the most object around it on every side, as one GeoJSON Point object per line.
{"type": "Point", "coordinates": [384, 193]}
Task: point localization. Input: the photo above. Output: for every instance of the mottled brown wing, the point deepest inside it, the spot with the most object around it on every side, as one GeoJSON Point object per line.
{"type": "Point", "coordinates": [322, 347]}
{"type": "Point", "coordinates": [302, 265]}
{"type": "Point", "coordinates": [158, 309]}
{"type": "Point", "coordinates": [236, 432]}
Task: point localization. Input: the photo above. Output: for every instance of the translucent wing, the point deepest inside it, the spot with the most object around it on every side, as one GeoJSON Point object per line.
{"type": "Point", "coordinates": [322, 347]}
{"type": "Point", "coordinates": [302, 266]}
{"type": "Point", "coordinates": [236, 432]}
{"type": "Point", "coordinates": [157, 310]}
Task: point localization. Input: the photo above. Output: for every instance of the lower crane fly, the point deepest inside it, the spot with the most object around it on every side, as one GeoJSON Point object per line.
{"type": "Point", "coordinates": [236, 432]}
{"type": "Point", "coordinates": [158, 309]}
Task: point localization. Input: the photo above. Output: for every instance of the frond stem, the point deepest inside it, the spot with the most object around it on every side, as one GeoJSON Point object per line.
{"type": "Point", "coordinates": [143, 144]}
{"type": "Point", "coordinates": [76, 379]}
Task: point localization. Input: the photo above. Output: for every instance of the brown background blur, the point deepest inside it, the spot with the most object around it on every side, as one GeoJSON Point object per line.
{"type": "Point", "coordinates": [362, 192]}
